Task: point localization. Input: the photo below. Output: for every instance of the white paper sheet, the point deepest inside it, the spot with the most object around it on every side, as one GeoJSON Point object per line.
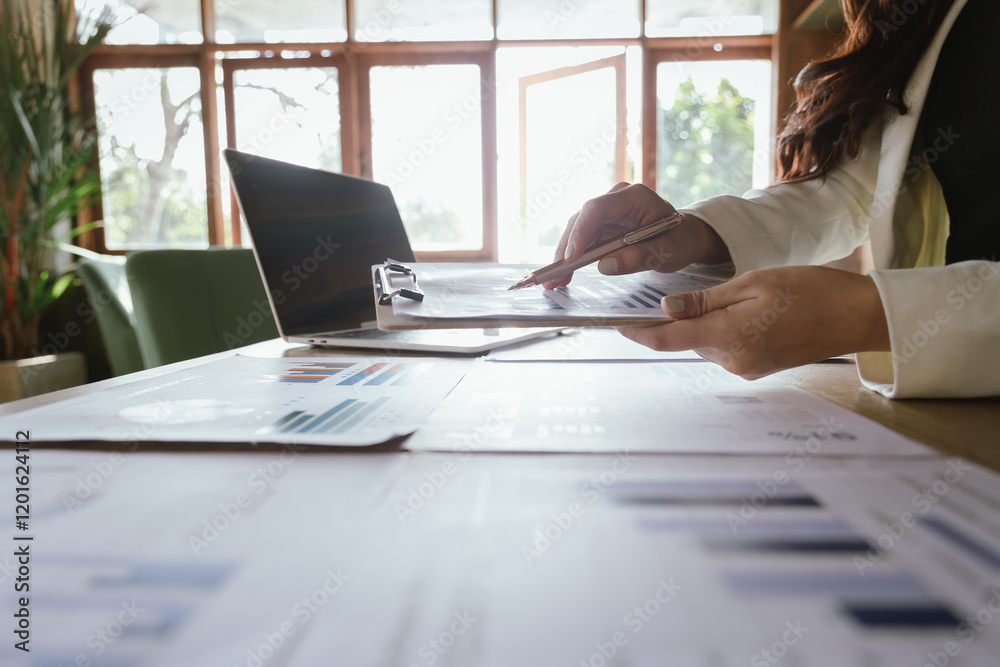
{"type": "Point", "coordinates": [457, 291]}
{"type": "Point", "coordinates": [592, 344]}
{"type": "Point", "coordinates": [496, 560]}
{"type": "Point", "coordinates": [677, 407]}
{"type": "Point", "coordinates": [241, 399]}
{"type": "Point", "coordinates": [556, 560]}
{"type": "Point", "coordinates": [138, 554]}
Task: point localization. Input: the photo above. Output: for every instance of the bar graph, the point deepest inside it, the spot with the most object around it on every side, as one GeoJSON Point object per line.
{"type": "Point", "coordinates": [338, 419]}
{"type": "Point", "coordinates": [790, 546]}
{"type": "Point", "coordinates": [609, 295]}
{"type": "Point", "coordinates": [384, 373]}
{"type": "Point", "coordinates": [361, 377]}
{"type": "Point", "coordinates": [313, 372]}
{"type": "Point", "coordinates": [712, 493]}
{"type": "Point", "coordinates": [350, 374]}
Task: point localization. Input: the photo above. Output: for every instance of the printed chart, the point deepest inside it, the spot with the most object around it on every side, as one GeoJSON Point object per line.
{"type": "Point", "coordinates": [676, 407]}
{"type": "Point", "coordinates": [456, 292]}
{"type": "Point", "coordinates": [331, 401]}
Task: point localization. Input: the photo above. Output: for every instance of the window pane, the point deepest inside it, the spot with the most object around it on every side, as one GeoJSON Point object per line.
{"type": "Point", "coordinates": [712, 134]}
{"type": "Point", "coordinates": [151, 21]}
{"type": "Point", "coordinates": [422, 20]}
{"type": "Point", "coordinates": [715, 18]}
{"type": "Point", "coordinates": [289, 114]}
{"type": "Point", "coordinates": [570, 151]}
{"type": "Point", "coordinates": [152, 157]}
{"type": "Point", "coordinates": [287, 21]}
{"type": "Point", "coordinates": [559, 19]}
{"type": "Point", "coordinates": [570, 141]}
{"type": "Point", "coordinates": [427, 146]}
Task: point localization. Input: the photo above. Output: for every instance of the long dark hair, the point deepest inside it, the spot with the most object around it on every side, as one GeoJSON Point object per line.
{"type": "Point", "coordinates": [838, 96]}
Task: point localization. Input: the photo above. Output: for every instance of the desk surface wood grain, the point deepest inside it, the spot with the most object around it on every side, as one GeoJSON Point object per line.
{"type": "Point", "coordinates": [969, 428]}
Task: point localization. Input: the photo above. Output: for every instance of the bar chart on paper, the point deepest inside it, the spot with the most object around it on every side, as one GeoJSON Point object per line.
{"type": "Point", "coordinates": [332, 401]}
{"type": "Point", "coordinates": [630, 296]}
{"type": "Point", "coordinates": [560, 407]}
{"type": "Point", "coordinates": [313, 372]}
{"type": "Point", "coordinates": [460, 292]}
{"type": "Point", "coordinates": [349, 374]}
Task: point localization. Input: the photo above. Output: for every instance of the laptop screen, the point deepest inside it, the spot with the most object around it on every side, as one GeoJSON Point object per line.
{"type": "Point", "coordinates": [316, 235]}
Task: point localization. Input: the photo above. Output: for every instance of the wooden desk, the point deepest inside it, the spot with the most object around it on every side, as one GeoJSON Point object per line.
{"type": "Point", "coordinates": [542, 555]}
{"type": "Point", "coordinates": [969, 428]}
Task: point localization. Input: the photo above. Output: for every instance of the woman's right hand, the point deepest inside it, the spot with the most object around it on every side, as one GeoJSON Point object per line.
{"type": "Point", "coordinates": [624, 208]}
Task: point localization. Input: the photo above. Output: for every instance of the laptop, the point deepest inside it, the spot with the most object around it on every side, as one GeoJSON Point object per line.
{"type": "Point", "coordinates": [315, 235]}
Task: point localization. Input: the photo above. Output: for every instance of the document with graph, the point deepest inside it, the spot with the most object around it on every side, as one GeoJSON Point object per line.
{"type": "Point", "coordinates": [477, 295]}
{"type": "Point", "coordinates": [352, 401]}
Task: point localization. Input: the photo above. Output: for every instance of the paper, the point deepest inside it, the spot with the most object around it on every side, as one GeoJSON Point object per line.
{"type": "Point", "coordinates": [241, 399]}
{"type": "Point", "coordinates": [496, 560]}
{"type": "Point", "coordinates": [676, 407]}
{"type": "Point", "coordinates": [138, 554]}
{"type": "Point", "coordinates": [456, 291]}
{"type": "Point", "coordinates": [528, 561]}
{"type": "Point", "coordinates": [592, 344]}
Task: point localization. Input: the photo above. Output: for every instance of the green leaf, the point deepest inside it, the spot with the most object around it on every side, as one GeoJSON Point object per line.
{"type": "Point", "coordinates": [42, 46]}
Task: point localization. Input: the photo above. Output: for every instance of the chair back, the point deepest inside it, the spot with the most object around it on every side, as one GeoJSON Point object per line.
{"type": "Point", "coordinates": [190, 303]}
{"type": "Point", "coordinates": [111, 305]}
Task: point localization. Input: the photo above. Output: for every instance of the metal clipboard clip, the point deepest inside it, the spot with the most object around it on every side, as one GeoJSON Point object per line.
{"type": "Point", "coordinates": [383, 286]}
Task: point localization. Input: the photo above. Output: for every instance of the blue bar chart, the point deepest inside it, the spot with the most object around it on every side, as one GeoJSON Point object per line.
{"type": "Point", "coordinates": [313, 372]}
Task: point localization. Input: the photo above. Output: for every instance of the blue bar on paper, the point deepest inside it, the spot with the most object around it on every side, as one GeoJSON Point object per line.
{"type": "Point", "coordinates": [899, 616]}
{"type": "Point", "coordinates": [340, 417]}
{"type": "Point", "coordinates": [638, 298]}
{"type": "Point", "coordinates": [172, 574]}
{"type": "Point", "coordinates": [387, 374]}
{"type": "Point", "coordinates": [758, 527]}
{"type": "Point", "coordinates": [655, 290]}
{"type": "Point", "coordinates": [801, 546]}
{"type": "Point", "coordinates": [962, 541]}
{"type": "Point", "coordinates": [297, 423]}
{"type": "Point", "coordinates": [326, 415]}
{"type": "Point", "coordinates": [287, 418]}
{"type": "Point", "coordinates": [823, 583]}
{"type": "Point", "coordinates": [650, 296]}
{"type": "Point", "coordinates": [361, 414]}
{"type": "Point", "coordinates": [718, 492]}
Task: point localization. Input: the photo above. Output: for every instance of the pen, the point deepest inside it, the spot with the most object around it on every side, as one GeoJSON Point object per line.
{"type": "Point", "coordinates": [562, 267]}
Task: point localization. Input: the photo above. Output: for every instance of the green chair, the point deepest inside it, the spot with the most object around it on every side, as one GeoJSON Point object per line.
{"type": "Point", "coordinates": [110, 303]}
{"type": "Point", "coordinates": [190, 303]}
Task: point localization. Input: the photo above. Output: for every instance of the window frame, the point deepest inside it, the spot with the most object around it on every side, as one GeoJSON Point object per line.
{"type": "Point", "coordinates": [354, 59]}
{"type": "Point", "coordinates": [486, 61]}
{"type": "Point", "coordinates": [347, 106]}
{"type": "Point", "coordinates": [662, 50]}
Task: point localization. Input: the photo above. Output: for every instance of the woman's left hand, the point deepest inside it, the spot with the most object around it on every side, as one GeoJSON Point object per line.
{"type": "Point", "coordinates": [766, 321]}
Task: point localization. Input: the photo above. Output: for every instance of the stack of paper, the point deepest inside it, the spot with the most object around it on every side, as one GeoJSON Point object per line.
{"type": "Point", "coordinates": [477, 295]}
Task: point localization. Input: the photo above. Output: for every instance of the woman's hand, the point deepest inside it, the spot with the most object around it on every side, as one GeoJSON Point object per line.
{"type": "Point", "coordinates": [624, 208]}
{"type": "Point", "coordinates": [766, 321]}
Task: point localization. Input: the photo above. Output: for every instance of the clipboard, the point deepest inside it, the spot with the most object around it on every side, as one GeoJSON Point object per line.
{"type": "Point", "coordinates": [475, 296]}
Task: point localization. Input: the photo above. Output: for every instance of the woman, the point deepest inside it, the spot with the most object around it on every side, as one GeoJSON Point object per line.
{"type": "Point", "coordinates": [891, 140]}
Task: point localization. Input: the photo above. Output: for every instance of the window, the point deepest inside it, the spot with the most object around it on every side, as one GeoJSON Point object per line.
{"type": "Point", "coordinates": [152, 161]}
{"type": "Point", "coordinates": [491, 120]}
{"type": "Point", "coordinates": [710, 125]}
{"type": "Point", "coordinates": [430, 153]}
{"type": "Point", "coordinates": [290, 110]}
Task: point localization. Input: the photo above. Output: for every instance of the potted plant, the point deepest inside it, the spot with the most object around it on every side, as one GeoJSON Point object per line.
{"type": "Point", "coordinates": [46, 153]}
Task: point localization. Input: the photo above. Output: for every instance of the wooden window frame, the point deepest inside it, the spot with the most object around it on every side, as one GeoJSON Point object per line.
{"type": "Point", "coordinates": [346, 103]}
{"type": "Point", "coordinates": [751, 47]}
{"type": "Point", "coordinates": [616, 63]}
{"type": "Point", "coordinates": [486, 61]}
{"type": "Point", "coordinates": [95, 239]}
{"type": "Point", "coordinates": [354, 59]}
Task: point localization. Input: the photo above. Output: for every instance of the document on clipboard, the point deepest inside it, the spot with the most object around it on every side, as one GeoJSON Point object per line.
{"type": "Point", "coordinates": [456, 296]}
